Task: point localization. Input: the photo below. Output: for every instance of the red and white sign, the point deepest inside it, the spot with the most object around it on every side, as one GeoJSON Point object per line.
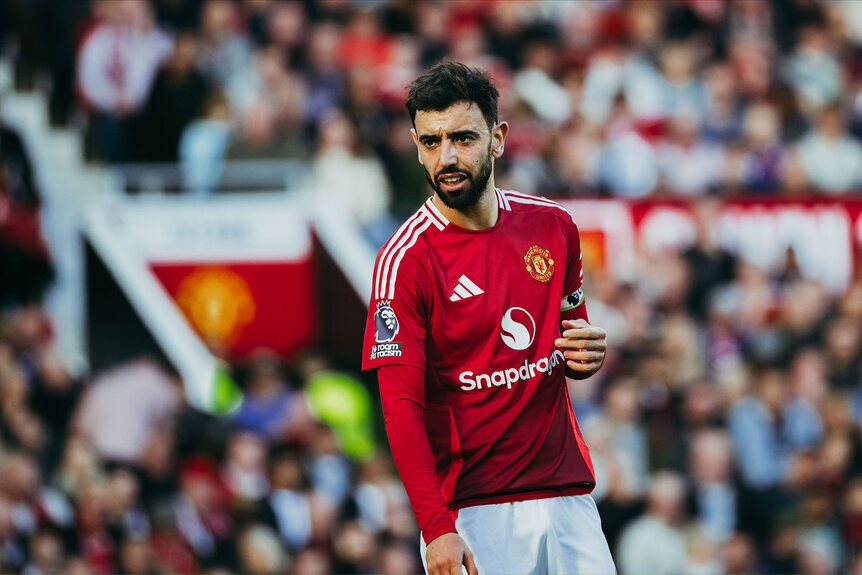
{"type": "Point", "coordinates": [240, 270]}
{"type": "Point", "coordinates": [823, 233]}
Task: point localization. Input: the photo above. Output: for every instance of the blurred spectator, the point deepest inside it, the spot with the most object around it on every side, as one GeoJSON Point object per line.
{"type": "Point", "coordinates": [98, 548]}
{"type": "Point", "coordinates": [364, 107]}
{"type": "Point", "coordinates": [721, 114]}
{"type": "Point", "coordinates": [409, 188]}
{"type": "Point", "coordinates": [260, 552]}
{"type": "Point", "coordinates": [843, 353]}
{"type": "Point", "coordinates": [380, 499]}
{"type": "Point", "coordinates": [714, 495]}
{"type": "Point", "coordinates": [762, 165]}
{"type": "Point", "coordinates": [117, 63]}
{"type": "Point", "coordinates": [270, 129]}
{"type": "Point", "coordinates": [754, 427]}
{"type": "Point", "coordinates": [329, 470]}
{"type": "Point", "coordinates": [47, 555]}
{"type": "Point", "coordinates": [244, 471]}
{"type": "Point", "coordinates": [325, 80]}
{"type": "Point", "coordinates": [740, 555]}
{"type": "Point", "coordinates": [124, 406]}
{"type": "Point", "coordinates": [628, 165]}
{"type": "Point", "coordinates": [363, 42]}
{"type": "Point", "coordinates": [830, 159]}
{"type": "Point", "coordinates": [122, 505]}
{"type": "Point", "coordinates": [269, 407]}
{"type": "Point", "coordinates": [203, 146]}
{"type": "Point", "coordinates": [688, 166]}
{"type": "Point", "coordinates": [352, 182]}
{"type": "Point", "coordinates": [201, 512]}
{"type": "Point", "coordinates": [285, 24]}
{"type": "Point", "coordinates": [625, 436]}
{"type": "Point", "coordinates": [289, 500]}
{"type": "Point", "coordinates": [578, 153]}
{"type": "Point", "coordinates": [224, 51]}
{"type": "Point", "coordinates": [812, 70]}
{"type": "Point", "coordinates": [354, 548]}
{"type": "Point", "coordinates": [136, 557]}
{"type": "Point", "coordinates": [655, 543]}
{"type": "Point", "coordinates": [312, 561]}
{"type": "Point", "coordinates": [396, 559]}
{"type": "Point", "coordinates": [683, 90]}
{"type": "Point", "coordinates": [176, 98]}
{"type": "Point", "coordinates": [267, 83]}
{"type": "Point", "coordinates": [79, 467]}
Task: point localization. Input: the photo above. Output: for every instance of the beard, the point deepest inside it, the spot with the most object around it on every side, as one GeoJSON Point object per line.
{"type": "Point", "coordinates": [471, 193]}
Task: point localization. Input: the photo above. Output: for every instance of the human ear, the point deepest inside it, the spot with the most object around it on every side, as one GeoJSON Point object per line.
{"type": "Point", "coordinates": [498, 136]}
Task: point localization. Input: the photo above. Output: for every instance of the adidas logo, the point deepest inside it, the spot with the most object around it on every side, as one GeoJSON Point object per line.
{"type": "Point", "coordinates": [465, 289]}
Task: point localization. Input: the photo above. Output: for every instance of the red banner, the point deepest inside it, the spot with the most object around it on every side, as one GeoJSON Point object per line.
{"type": "Point", "coordinates": [238, 308]}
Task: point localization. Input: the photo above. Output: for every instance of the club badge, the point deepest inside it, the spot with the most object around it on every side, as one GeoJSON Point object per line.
{"type": "Point", "coordinates": [539, 263]}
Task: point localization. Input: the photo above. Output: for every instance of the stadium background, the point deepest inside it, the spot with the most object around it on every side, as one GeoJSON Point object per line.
{"type": "Point", "coordinates": [237, 164]}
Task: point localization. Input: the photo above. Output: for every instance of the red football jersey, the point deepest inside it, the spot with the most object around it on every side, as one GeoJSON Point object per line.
{"type": "Point", "coordinates": [479, 311]}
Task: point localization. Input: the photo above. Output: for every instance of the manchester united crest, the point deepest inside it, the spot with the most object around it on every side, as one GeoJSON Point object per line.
{"type": "Point", "coordinates": [539, 263]}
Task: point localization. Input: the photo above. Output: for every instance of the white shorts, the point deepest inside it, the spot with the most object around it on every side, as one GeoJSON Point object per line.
{"type": "Point", "coordinates": [554, 536]}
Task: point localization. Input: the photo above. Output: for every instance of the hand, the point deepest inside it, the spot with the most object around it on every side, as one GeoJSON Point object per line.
{"type": "Point", "coordinates": [447, 553]}
{"type": "Point", "coordinates": [583, 346]}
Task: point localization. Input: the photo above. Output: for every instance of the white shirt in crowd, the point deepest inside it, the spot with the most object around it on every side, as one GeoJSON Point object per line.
{"type": "Point", "coordinates": [831, 165]}
{"type": "Point", "coordinates": [117, 66]}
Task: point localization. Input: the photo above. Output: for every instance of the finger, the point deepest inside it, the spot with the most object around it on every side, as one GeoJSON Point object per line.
{"type": "Point", "coordinates": [589, 332]}
{"type": "Point", "coordinates": [573, 323]}
{"type": "Point", "coordinates": [583, 367]}
{"type": "Point", "coordinates": [584, 356]}
{"type": "Point", "coordinates": [588, 344]}
{"type": "Point", "coordinates": [470, 564]}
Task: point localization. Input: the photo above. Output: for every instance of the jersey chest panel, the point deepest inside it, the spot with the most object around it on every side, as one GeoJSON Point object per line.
{"type": "Point", "coordinates": [520, 272]}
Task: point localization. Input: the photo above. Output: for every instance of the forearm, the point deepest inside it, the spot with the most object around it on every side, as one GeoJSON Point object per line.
{"type": "Point", "coordinates": [405, 427]}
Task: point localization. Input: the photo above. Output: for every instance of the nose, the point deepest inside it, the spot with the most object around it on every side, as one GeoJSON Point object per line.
{"type": "Point", "coordinates": [448, 153]}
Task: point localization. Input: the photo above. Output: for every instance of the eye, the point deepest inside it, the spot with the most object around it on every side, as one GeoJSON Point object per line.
{"type": "Point", "coordinates": [464, 139]}
{"type": "Point", "coordinates": [430, 144]}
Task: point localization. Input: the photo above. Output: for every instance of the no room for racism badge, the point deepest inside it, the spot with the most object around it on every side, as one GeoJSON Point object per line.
{"type": "Point", "coordinates": [539, 263]}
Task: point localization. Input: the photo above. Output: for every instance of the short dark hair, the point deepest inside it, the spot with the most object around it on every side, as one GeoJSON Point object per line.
{"type": "Point", "coordinates": [449, 82]}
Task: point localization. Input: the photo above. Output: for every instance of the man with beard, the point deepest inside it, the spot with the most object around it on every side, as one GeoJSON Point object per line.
{"type": "Point", "coordinates": [476, 317]}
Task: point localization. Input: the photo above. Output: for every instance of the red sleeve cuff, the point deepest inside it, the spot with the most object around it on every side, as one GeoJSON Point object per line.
{"type": "Point", "coordinates": [437, 530]}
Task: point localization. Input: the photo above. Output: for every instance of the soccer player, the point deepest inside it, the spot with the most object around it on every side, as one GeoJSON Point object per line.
{"type": "Point", "coordinates": [477, 314]}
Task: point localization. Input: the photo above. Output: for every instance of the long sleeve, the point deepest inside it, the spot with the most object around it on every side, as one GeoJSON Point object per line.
{"type": "Point", "coordinates": [402, 392]}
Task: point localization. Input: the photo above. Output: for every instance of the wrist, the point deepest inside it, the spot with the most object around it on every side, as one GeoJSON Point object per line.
{"type": "Point", "coordinates": [432, 534]}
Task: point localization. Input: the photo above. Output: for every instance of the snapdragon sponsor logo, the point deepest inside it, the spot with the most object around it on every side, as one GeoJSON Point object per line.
{"type": "Point", "coordinates": [511, 375]}
{"type": "Point", "coordinates": [517, 328]}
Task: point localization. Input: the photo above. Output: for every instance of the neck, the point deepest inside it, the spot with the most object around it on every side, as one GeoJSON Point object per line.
{"type": "Point", "coordinates": [481, 216]}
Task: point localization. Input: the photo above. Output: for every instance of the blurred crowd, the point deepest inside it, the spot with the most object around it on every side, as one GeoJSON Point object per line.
{"type": "Point", "coordinates": [121, 476]}
{"type": "Point", "coordinates": [726, 425]}
{"type": "Point", "coordinates": [613, 97]}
